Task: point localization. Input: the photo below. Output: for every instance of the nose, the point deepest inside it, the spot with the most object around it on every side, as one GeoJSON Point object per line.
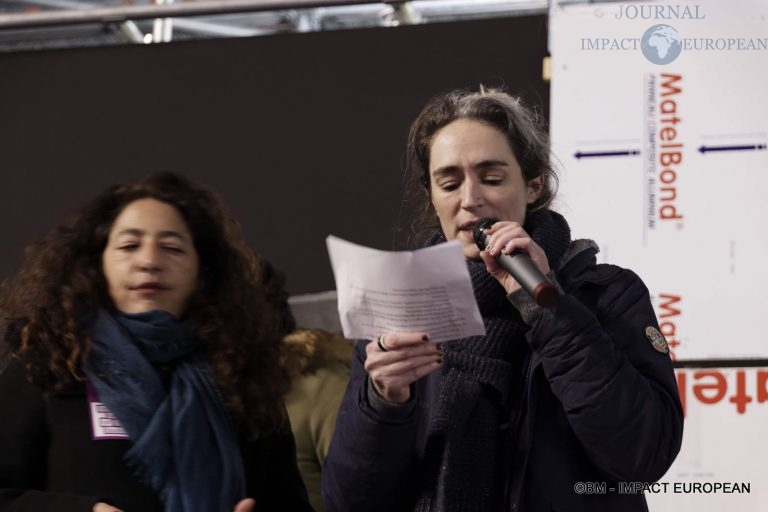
{"type": "Point", "coordinates": [148, 258]}
{"type": "Point", "coordinates": [471, 194]}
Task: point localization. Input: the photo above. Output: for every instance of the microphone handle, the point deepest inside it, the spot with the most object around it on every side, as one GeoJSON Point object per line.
{"type": "Point", "coordinates": [525, 272]}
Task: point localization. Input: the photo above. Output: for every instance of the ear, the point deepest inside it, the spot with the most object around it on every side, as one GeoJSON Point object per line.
{"type": "Point", "coordinates": [534, 188]}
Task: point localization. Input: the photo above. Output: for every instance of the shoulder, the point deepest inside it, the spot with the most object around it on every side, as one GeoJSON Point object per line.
{"type": "Point", "coordinates": [309, 350]}
{"type": "Point", "coordinates": [15, 374]}
{"type": "Point", "coordinates": [319, 385]}
{"type": "Point", "coordinates": [19, 398]}
{"type": "Point", "coordinates": [612, 287]}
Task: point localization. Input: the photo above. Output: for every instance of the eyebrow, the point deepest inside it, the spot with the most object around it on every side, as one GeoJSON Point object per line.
{"type": "Point", "coordinates": [160, 234]}
{"type": "Point", "coordinates": [485, 164]}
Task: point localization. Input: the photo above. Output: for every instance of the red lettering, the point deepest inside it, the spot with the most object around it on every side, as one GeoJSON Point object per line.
{"type": "Point", "coordinates": [670, 159]}
{"type": "Point", "coordinates": [668, 329]}
{"type": "Point", "coordinates": [741, 398]}
{"type": "Point", "coordinates": [667, 193]}
{"type": "Point", "coordinates": [719, 387]}
{"type": "Point", "coordinates": [668, 116]}
{"type": "Point", "coordinates": [671, 120]}
{"type": "Point", "coordinates": [762, 386]}
{"type": "Point", "coordinates": [668, 87]}
{"type": "Point", "coordinates": [668, 176]}
{"type": "Point", "coordinates": [668, 107]}
{"type": "Point", "coordinates": [668, 133]}
{"type": "Point", "coordinates": [666, 305]}
{"type": "Point", "coordinates": [668, 211]}
{"type": "Point", "coordinates": [682, 378]}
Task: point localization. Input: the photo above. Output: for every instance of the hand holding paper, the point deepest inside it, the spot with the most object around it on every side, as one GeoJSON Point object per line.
{"type": "Point", "coordinates": [382, 292]}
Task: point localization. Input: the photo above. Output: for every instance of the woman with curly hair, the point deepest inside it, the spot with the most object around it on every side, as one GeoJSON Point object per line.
{"type": "Point", "coordinates": [144, 368]}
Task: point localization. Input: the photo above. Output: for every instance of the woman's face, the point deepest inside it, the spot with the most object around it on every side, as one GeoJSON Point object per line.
{"type": "Point", "coordinates": [150, 261]}
{"type": "Point", "coordinates": [474, 174]}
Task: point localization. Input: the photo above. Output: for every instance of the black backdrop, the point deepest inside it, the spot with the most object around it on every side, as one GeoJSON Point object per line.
{"type": "Point", "coordinates": [302, 135]}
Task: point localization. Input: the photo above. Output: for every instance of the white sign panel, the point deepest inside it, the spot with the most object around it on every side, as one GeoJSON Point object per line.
{"type": "Point", "coordinates": [722, 462]}
{"type": "Point", "coordinates": [660, 122]}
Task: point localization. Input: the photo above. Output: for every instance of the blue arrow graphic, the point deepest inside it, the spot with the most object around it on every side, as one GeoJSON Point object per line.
{"type": "Point", "coordinates": [583, 154]}
{"type": "Point", "coordinates": [752, 147]}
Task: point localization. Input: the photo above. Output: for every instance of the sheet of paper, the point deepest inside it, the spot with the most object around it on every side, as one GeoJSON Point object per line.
{"type": "Point", "coordinates": [380, 292]}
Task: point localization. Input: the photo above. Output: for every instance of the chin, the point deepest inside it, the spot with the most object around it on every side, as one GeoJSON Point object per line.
{"type": "Point", "coordinates": [472, 253]}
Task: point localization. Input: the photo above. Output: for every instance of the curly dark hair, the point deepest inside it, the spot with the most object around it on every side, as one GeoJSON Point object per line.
{"type": "Point", "coordinates": [521, 125]}
{"type": "Point", "coordinates": [43, 306]}
{"type": "Point", "coordinates": [273, 281]}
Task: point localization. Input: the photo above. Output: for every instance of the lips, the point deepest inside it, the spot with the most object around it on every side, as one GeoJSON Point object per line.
{"type": "Point", "coordinates": [468, 226]}
{"type": "Point", "coordinates": [150, 287]}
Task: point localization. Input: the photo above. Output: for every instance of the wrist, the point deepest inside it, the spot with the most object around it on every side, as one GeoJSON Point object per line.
{"type": "Point", "coordinates": [392, 395]}
{"type": "Point", "coordinates": [388, 411]}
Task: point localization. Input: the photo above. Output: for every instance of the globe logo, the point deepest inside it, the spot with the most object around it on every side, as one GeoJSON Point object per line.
{"type": "Point", "coordinates": [661, 44]}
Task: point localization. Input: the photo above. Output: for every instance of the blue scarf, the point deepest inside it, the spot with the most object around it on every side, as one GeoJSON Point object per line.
{"type": "Point", "coordinates": [184, 444]}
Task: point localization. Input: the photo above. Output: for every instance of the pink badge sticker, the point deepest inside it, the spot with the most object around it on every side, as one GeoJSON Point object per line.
{"type": "Point", "coordinates": [104, 424]}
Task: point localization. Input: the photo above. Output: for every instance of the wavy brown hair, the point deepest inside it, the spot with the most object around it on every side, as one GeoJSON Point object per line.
{"type": "Point", "coordinates": [522, 126]}
{"type": "Point", "coordinates": [43, 307]}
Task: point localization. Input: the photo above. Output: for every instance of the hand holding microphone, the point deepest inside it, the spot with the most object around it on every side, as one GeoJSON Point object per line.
{"type": "Point", "coordinates": [520, 267]}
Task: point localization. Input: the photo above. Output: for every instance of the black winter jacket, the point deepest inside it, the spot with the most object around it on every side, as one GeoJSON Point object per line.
{"type": "Point", "coordinates": [49, 460]}
{"type": "Point", "coordinates": [602, 408]}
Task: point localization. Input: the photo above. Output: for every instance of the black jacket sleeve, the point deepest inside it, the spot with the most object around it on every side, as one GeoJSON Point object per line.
{"type": "Point", "coordinates": [371, 463]}
{"type": "Point", "coordinates": [23, 447]}
{"type": "Point", "coordinates": [619, 393]}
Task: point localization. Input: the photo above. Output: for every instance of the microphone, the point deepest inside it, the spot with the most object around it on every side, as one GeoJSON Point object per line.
{"type": "Point", "coordinates": [521, 267]}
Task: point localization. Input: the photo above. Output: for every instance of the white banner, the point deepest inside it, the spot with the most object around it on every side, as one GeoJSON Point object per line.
{"type": "Point", "coordinates": [660, 122]}
{"type": "Point", "coordinates": [722, 464]}
{"type": "Point", "coordinates": [665, 165]}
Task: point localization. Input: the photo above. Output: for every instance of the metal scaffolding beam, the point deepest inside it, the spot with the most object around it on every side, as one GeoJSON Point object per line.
{"type": "Point", "coordinates": [120, 14]}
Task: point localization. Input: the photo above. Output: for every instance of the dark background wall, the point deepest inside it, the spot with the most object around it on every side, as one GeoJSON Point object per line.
{"type": "Point", "coordinates": [302, 135]}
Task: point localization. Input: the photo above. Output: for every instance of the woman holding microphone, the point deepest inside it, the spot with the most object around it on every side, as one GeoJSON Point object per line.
{"type": "Point", "coordinates": [550, 397]}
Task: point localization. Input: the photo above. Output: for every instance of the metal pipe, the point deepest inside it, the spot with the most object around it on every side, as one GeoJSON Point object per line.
{"type": "Point", "coordinates": [120, 14]}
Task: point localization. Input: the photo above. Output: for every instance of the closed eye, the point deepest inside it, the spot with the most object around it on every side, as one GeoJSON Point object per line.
{"type": "Point", "coordinates": [451, 185]}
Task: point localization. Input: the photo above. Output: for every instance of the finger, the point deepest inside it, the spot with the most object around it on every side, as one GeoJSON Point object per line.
{"type": "Point", "coordinates": [504, 278]}
{"type": "Point", "coordinates": [377, 359]}
{"type": "Point", "coordinates": [246, 505]}
{"type": "Point", "coordinates": [501, 225]}
{"type": "Point", "coordinates": [404, 379]}
{"type": "Point", "coordinates": [402, 352]}
{"type": "Point", "coordinates": [519, 241]}
{"type": "Point", "coordinates": [396, 340]}
{"type": "Point", "coordinates": [515, 244]}
{"type": "Point", "coordinates": [491, 265]}
{"type": "Point", "coordinates": [532, 249]}
{"type": "Point", "coordinates": [403, 367]}
{"type": "Point", "coordinates": [501, 239]}
{"type": "Point", "coordinates": [104, 507]}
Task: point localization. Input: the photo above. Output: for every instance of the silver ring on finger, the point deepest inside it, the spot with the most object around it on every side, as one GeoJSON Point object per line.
{"type": "Point", "coordinates": [380, 343]}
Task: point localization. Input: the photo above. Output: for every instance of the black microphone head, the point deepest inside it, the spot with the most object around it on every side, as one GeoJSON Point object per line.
{"type": "Point", "coordinates": [477, 231]}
